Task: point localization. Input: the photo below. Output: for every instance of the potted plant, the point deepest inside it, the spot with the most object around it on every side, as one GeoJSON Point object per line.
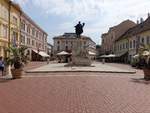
{"type": "Point", "coordinates": [145, 58]}
{"type": "Point", "coordinates": [17, 59]}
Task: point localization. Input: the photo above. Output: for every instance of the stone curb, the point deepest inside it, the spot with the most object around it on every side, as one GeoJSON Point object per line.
{"type": "Point", "coordinates": [131, 72]}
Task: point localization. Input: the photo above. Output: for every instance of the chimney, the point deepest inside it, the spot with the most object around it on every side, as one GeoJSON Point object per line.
{"type": "Point", "coordinates": [138, 22]}
{"type": "Point", "coordinates": [141, 20]}
{"type": "Point", "coordinates": [148, 15]}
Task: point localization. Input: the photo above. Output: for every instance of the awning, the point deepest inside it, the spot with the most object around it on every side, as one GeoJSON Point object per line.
{"type": "Point", "coordinates": [136, 56]}
{"type": "Point", "coordinates": [111, 56]}
{"type": "Point", "coordinates": [103, 56]}
{"type": "Point", "coordinates": [108, 56]}
{"type": "Point", "coordinates": [41, 53]}
{"type": "Point", "coordinates": [92, 53]}
{"type": "Point", "coordinates": [62, 53]}
{"type": "Point", "coordinates": [121, 54]}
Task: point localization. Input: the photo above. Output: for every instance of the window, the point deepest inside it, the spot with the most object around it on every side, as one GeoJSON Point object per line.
{"type": "Point", "coordinates": [58, 42]}
{"type": "Point", "coordinates": [22, 39]}
{"type": "Point", "coordinates": [4, 31]}
{"type": "Point", "coordinates": [120, 47]}
{"type": "Point", "coordinates": [40, 45]}
{"type": "Point", "coordinates": [6, 13]}
{"type": "Point", "coordinates": [126, 45]}
{"type": "Point", "coordinates": [40, 36]}
{"type": "Point", "coordinates": [134, 44]}
{"type": "Point", "coordinates": [23, 25]}
{"type": "Point", "coordinates": [14, 39]}
{"type": "Point", "coordinates": [32, 42]}
{"type": "Point", "coordinates": [148, 40]}
{"type": "Point", "coordinates": [36, 44]}
{"type": "Point", "coordinates": [33, 32]}
{"type": "Point", "coordinates": [58, 48]}
{"type": "Point", "coordinates": [102, 40]}
{"type": "Point", "coordinates": [28, 41]}
{"type": "Point", "coordinates": [71, 43]}
{"type": "Point", "coordinates": [142, 40]}
{"type": "Point", "coordinates": [130, 44]}
{"type": "Point", "coordinates": [66, 42]}
{"type": "Point", "coordinates": [37, 34]}
{"type": "Point", "coordinates": [14, 20]}
{"type": "Point", "coordinates": [45, 38]}
{"type": "Point", "coordinates": [3, 12]}
{"type": "Point", "coordinates": [66, 48]}
{"type": "Point", "coordinates": [28, 29]}
{"type": "Point", "coordinates": [123, 46]}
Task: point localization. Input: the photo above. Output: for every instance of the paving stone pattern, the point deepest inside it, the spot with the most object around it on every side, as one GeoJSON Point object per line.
{"type": "Point", "coordinates": [75, 94]}
{"type": "Point", "coordinates": [98, 67]}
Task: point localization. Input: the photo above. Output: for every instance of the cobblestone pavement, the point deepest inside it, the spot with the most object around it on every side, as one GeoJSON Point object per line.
{"type": "Point", "coordinates": [97, 67]}
{"type": "Point", "coordinates": [76, 93]}
{"type": "Point", "coordinates": [126, 66]}
{"type": "Point", "coordinates": [32, 65]}
{"type": "Point", "coordinates": [97, 93]}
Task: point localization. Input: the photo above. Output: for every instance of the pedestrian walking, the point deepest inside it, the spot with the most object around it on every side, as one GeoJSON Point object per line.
{"type": "Point", "coordinates": [103, 61]}
{"type": "Point", "coordinates": [48, 60]}
{"type": "Point", "coordinates": [2, 65]}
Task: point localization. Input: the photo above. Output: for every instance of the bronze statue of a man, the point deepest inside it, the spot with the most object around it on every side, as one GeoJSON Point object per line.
{"type": "Point", "coordinates": [79, 29]}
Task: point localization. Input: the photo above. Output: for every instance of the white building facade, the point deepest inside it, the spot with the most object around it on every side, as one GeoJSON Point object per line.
{"type": "Point", "coordinates": [67, 41]}
{"type": "Point", "coordinates": [32, 36]}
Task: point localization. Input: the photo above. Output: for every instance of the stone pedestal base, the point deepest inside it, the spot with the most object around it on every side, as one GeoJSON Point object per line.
{"type": "Point", "coordinates": [80, 61]}
{"type": "Point", "coordinates": [80, 56]}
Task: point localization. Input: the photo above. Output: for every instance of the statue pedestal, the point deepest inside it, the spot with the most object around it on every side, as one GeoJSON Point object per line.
{"type": "Point", "coordinates": [80, 55]}
{"type": "Point", "coordinates": [80, 61]}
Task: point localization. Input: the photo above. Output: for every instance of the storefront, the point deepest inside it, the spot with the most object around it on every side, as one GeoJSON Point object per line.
{"type": "Point", "coordinates": [3, 47]}
{"type": "Point", "coordinates": [39, 55]}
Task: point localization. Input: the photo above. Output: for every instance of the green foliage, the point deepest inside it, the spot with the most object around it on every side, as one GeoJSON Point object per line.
{"type": "Point", "coordinates": [144, 53]}
{"type": "Point", "coordinates": [134, 62]}
{"type": "Point", "coordinates": [17, 56]}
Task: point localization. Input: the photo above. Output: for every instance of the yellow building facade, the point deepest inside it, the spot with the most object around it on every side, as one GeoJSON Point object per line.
{"type": "Point", "coordinates": [135, 37]}
{"type": "Point", "coordinates": [15, 22]}
{"type": "Point", "coordinates": [9, 25]}
{"type": "Point", "coordinates": [4, 25]}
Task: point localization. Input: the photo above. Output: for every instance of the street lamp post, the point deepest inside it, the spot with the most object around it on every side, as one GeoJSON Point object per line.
{"type": "Point", "coordinates": [38, 50]}
{"type": "Point", "coordinates": [38, 54]}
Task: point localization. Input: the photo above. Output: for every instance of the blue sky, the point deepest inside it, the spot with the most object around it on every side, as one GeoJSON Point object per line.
{"type": "Point", "coordinates": [59, 16]}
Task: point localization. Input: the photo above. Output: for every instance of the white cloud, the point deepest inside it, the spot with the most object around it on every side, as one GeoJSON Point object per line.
{"type": "Point", "coordinates": [98, 14]}
{"type": "Point", "coordinates": [22, 2]}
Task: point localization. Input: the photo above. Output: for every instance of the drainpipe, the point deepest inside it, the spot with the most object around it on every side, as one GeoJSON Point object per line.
{"type": "Point", "coordinates": [128, 46]}
{"type": "Point", "coordinates": [20, 28]}
{"type": "Point", "coordinates": [9, 29]}
{"type": "Point", "coordinates": [9, 75]}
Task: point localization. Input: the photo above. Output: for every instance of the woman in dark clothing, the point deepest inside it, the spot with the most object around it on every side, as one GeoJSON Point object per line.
{"type": "Point", "coordinates": [2, 65]}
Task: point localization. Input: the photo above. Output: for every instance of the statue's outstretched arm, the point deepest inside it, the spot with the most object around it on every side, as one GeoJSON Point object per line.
{"type": "Point", "coordinates": [83, 24]}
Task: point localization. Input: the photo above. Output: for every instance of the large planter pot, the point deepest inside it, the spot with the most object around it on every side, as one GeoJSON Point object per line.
{"type": "Point", "coordinates": [16, 73]}
{"type": "Point", "coordinates": [6, 70]}
{"type": "Point", "coordinates": [146, 73]}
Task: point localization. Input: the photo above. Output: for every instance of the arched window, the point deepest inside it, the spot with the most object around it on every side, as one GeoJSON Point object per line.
{"type": "Point", "coordinates": [130, 44]}
{"type": "Point", "coordinates": [134, 44]}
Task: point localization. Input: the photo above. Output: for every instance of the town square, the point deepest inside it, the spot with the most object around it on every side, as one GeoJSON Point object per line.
{"type": "Point", "coordinates": [74, 56]}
